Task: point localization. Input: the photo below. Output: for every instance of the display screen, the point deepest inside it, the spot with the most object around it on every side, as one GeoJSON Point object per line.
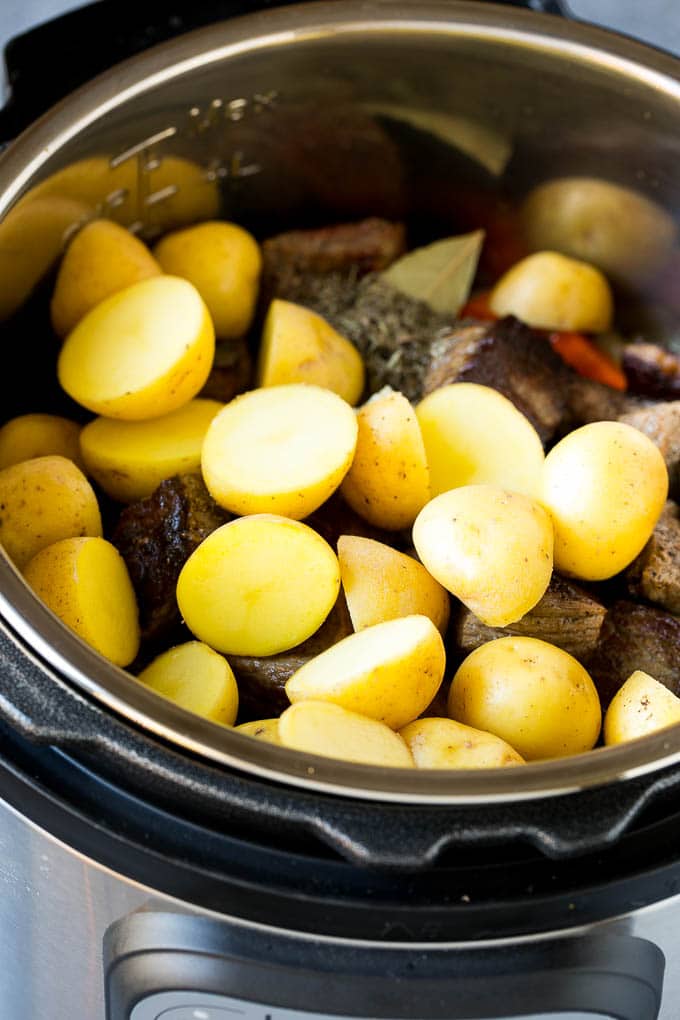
{"type": "Point", "coordinates": [191, 1005]}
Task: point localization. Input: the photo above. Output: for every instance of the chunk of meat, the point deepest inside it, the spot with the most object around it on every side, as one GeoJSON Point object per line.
{"type": "Point", "coordinates": [567, 616]}
{"type": "Point", "coordinates": [655, 574]}
{"type": "Point", "coordinates": [661, 422]}
{"type": "Point", "coordinates": [510, 357]}
{"type": "Point", "coordinates": [652, 371]}
{"type": "Point", "coordinates": [262, 680]}
{"type": "Point", "coordinates": [589, 401]}
{"type": "Point", "coordinates": [155, 537]}
{"type": "Point", "coordinates": [633, 637]}
{"type": "Point", "coordinates": [368, 246]}
{"type": "Point", "coordinates": [231, 373]}
{"type": "Point", "coordinates": [335, 518]}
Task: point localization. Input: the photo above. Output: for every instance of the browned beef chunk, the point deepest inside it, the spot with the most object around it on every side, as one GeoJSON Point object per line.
{"type": "Point", "coordinates": [661, 422]}
{"type": "Point", "coordinates": [262, 680]}
{"type": "Point", "coordinates": [155, 537]}
{"type": "Point", "coordinates": [335, 518]}
{"type": "Point", "coordinates": [634, 637]}
{"type": "Point", "coordinates": [231, 373]}
{"type": "Point", "coordinates": [588, 401]}
{"type": "Point", "coordinates": [365, 247]}
{"type": "Point", "coordinates": [511, 358]}
{"type": "Point", "coordinates": [655, 574]}
{"type": "Point", "coordinates": [652, 371]}
{"type": "Point", "coordinates": [566, 616]}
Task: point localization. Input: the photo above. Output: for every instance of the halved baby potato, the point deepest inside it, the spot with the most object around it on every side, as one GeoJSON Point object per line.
{"type": "Point", "coordinates": [281, 450]}
{"type": "Point", "coordinates": [491, 548]}
{"type": "Point", "coordinates": [85, 582]}
{"type": "Point", "coordinates": [299, 346]}
{"type": "Point", "coordinates": [102, 259]}
{"type": "Point", "coordinates": [474, 435]}
{"type": "Point", "coordinates": [318, 727]}
{"type": "Point", "coordinates": [445, 744]}
{"type": "Point", "coordinates": [42, 501]}
{"type": "Point", "coordinates": [641, 705]}
{"type": "Point", "coordinates": [142, 352]}
{"type": "Point", "coordinates": [261, 729]}
{"type": "Point", "coordinates": [258, 585]}
{"type": "Point", "coordinates": [389, 481]}
{"type": "Point", "coordinates": [196, 678]}
{"type": "Point", "coordinates": [39, 435]}
{"type": "Point", "coordinates": [389, 672]}
{"type": "Point", "coordinates": [129, 459]}
{"type": "Point", "coordinates": [382, 584]}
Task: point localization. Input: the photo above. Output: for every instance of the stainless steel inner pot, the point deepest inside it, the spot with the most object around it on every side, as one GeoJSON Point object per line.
{"type": "Point", "coordinates": [327, 111]}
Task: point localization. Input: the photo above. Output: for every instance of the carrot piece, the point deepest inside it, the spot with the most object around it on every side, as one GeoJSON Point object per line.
{"type": "Point", "coordinates": [478, 307]}
{"type": "Point", "coordinates": [587, 359]}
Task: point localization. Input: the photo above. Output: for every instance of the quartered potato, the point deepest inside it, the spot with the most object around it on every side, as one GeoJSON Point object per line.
{"type": "Point", "coordinates": [388, 482]}
{"type": "Point", "coordinates": [85, 582]}
{"type": "Point", "coordinates": [142, 352]}
{"type": "Point", "coordinates": [446, 744]}
{"type": "Point", "coordinates": [491, 548]}
{"type": "Point", "coordinates": [223, 262]}
{"type": "Point", "coordinates": [531, 694]}
{"type": "Point", "coordinates": [299, 346]}
{"type": "Point", "coordinates": [258, 585]}
{"type": "Point", "coordinates": [551, 291]}
{"type": "Point", "coordinates": [389, 672]}
{"type": "Point", "coordinates": [42, 501]}
{"type": "Point", "coordinates": [605, 486]}
{"type": "Point", "coordinates": [129, 459]}
{"type": "Point", "coordinates": [281, 450]}
{"type": "Point", "coordinates": [261, 729]}
{"type": "Point", "coordinates": [102, 259]}
{"type": "Point", "coordinates": [318, 727]}
{"type": "Point", "coordinates": [39, 435]}
{"type": "Point", "coordinates": [474, 435]}
{"type": "Point", "coordinates": [382, 584]}
{"type": "Point", "coordinates": [195, 678]}
{"type": "Point", "coordinates": [642, 705]}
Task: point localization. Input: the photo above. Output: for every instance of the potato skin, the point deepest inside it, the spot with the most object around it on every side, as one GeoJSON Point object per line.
{"type": "Point", "coordinates": [42, 501]}
{"type": "Point", "coordinates": [533, 695]}
{"type": "Point", "coordinates": [318, 727]}
{"type": "Point", "coordinates": [641, 705]}
{"type": "Point", "coordinates": [197, 679]}
{"type": "Point", "coordinates": [261, 729]}
{"type": "Point", "coordinates": [445, 744]}
{"type": "Point", "coordinates": [84, 581]}
{"type": "Point", "coordinates": [39, 435]}
{"type": "Point", "coordinates": [605, 486]}
{"type": "Point", "coordinates": [491, 548]}
{"type": "Point", "coordinates": [551, 291]}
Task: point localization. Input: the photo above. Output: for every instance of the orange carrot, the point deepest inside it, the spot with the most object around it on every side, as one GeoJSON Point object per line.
{"type": "Point", "coordinates": [477, 307]}
{"type": "Point", "coordinates": [587, 359]}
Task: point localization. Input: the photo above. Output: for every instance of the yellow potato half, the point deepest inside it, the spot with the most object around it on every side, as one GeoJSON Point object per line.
{"type": "Point", "coordinates": [446, 744]}
{"type": "Point", "coordinates": [196, 678]}
{"type": "Point", "coordinates": [552, 291]}
{"type": "Point", "coordinates": [318, 727]}
{"type": "Point", "coordinates": [39, 435]}
{"type": "Point", "coordinates": [223, 262]}
{"type": "Point", "coordinates": [491, 548]}
{"type": "Point", "coordinates": [299, 346]}
{"type": "Point", "coordinates": [42, 501]}
{"type": "Point", "coordinates": [389, 481]}
{"type": "Point", "coordinates": [605, 486]}
{"type": "Point", "coordinates": [382, 584]}
{"type": "Point", "coordinates": [474, 435]}
{"type": "Point", "coordinates": [281, 450]}
{"type": "Point", "coordinates": [102, 259]}
{"type": "Point", "coordinates": [85, 582]}
{"type": "Point", "coordinates": [129, 459]}
{"type": "Point", "coordinates": [261, 729]}
{"type": "Point", "coordinates": [142, 352]}
{"type": "Point", "coordinates": [389, 672]}
{"type": "Point", "coordinates": [531, 694]}
{"type": "Point", "coordinates": [258, 585]}
{"type": "Point", "coordinates": [641, 705]}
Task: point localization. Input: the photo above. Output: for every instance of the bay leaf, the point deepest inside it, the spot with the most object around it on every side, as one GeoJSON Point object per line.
{"type": "Point", "coordinates": [440, 274]}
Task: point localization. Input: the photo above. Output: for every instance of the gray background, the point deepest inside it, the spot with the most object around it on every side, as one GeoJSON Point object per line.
{"type": "Point", "coordinates": [657, 21]}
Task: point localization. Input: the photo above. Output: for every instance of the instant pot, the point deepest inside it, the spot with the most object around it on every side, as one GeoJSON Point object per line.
{"type": "Point", "coordinates": [155, 865]}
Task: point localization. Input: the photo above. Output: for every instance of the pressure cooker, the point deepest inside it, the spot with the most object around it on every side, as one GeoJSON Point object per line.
{"type": "Point", "coordinates": [156, 865]}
